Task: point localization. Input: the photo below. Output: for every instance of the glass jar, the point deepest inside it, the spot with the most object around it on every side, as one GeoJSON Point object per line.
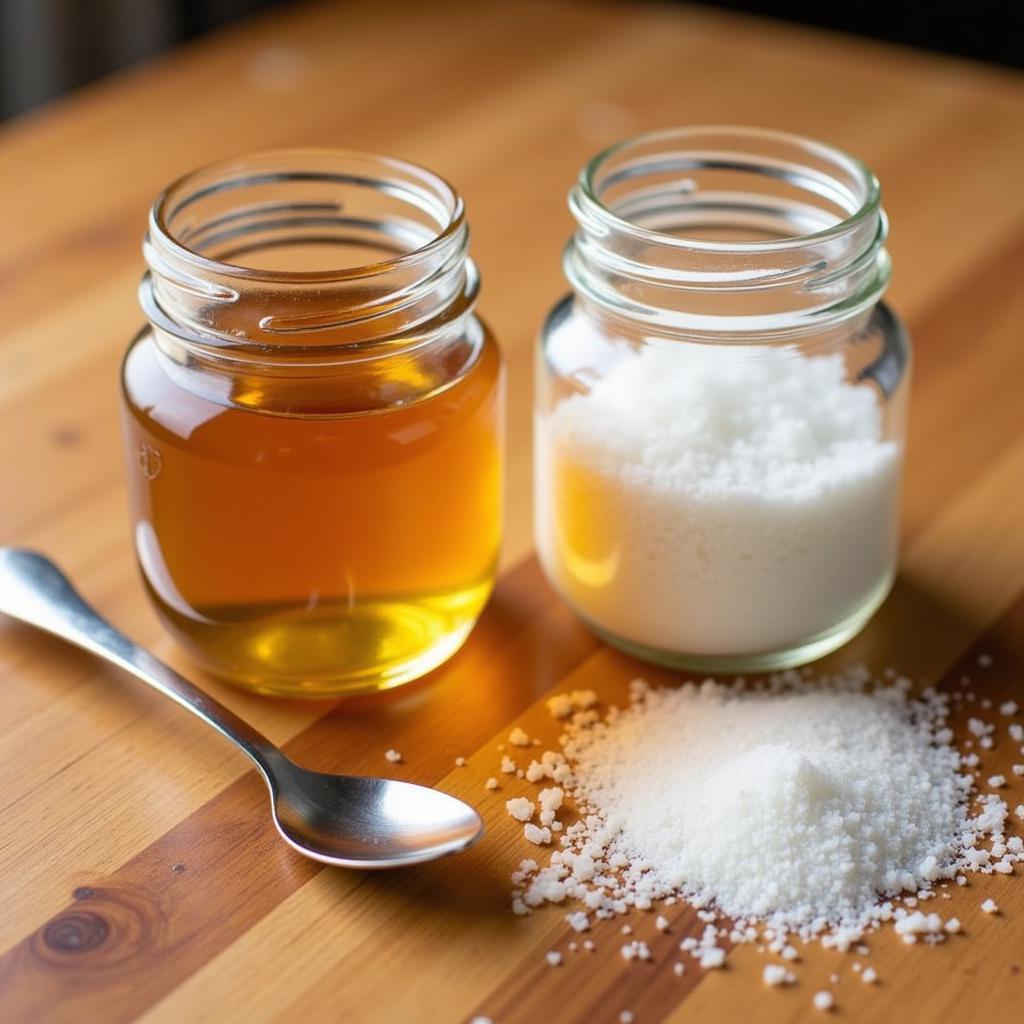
{"type": "Point", "coordinates": [313, 422]}
{"type": "Point", "coordinates": [721, 401]}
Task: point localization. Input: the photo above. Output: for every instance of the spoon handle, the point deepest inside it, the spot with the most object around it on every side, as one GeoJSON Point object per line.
{"type": "Point", "coordinates": [35, 591]}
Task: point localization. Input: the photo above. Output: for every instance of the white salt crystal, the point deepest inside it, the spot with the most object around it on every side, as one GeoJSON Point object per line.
{"type": "Point", "coordinates": [554, 958]}
{"type": "Point", "coordinates": [491, 783]}
{"type": "Point", "coordinates": [538, 836]}
{"type": "Point", "coordinates": [518, 738]}
{"type": "Point", "coordinates": [990, 906]}
{"type": "Point", "coordinates": [1008, 708]}
{"type": "Point", "coordinates": [560, 706]}
{"type": "Point", "coordinates": [823, 1001]}
{"type": "Point", "coordinates": [550, 799]}
{"type": "Point", "coordinates": [776, 974]}
{"type": "Point", "coordinates": [393, 756]}
{"type": "Point", "coordinates": [869, 976]}
{"type": "Point", "coordinates": [712, 958]}
{"type": "Point", "coordinates": [520, 808]}
{"type": "Point", "coordinates": [578, 922]}
{"type": "Point", "coordinates": [997, 781]}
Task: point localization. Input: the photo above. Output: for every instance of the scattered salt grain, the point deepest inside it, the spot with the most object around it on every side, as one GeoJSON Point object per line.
{"type": "Point", "coordinates": [1017, 769]}
{"type": "Point", "coordinates": [520, 808]}
{"type": "Point", "coordinates": [869, 976]}
{"type": "Point", "coordinates": [626, 1017]}
{"type": "Point", "coordinates": [578, 922]}
{"type": "Point", "coordinates": [560, 705]}
{"type": "Point", "coordinates": [635, 950]}
{"type": "Point", "coordinates": [712, 958]}
{"type": "Point", "coordinates": [1016, 731]}
{"type": "Point", "coordinates": [393, 756]}
{"type": "Point", "coordinates": [491, 783]}
{"type": "Point", "coordinates": [589, 946]}
{"type": "Point", "coordinates": [953, 925]}
{"type": "Point", "coordinates": [823, 1001]}
{"type": "Point", "coordinates": [554, 958]}
{"type": "Point", "coordinates": [537, 836]}
{"type": "Point", "coordinates": [460, 762]}
{"type": "Point", "coordinates": [1008, 708]}
{"type": "Point", "coordinates": [508, 766]}
{"type": "Point", "coordinates": [661, 923]}
{"type": "Point", "coordinates": [985, 660]}
{"type": "Point", "coordinates": [518, 738]}
{"type": "Point", "coordinates": [776, 974]}
{"type": "Point", "coordinates": [997, 781]}
{"type": "Point", "coordinates": [990, 906]}
{"type": "Point", "coordinates": [679, 969]}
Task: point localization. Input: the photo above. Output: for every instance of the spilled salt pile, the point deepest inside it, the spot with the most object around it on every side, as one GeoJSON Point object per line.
{"type": "Point", "coordinates": [840, 797]}
{"type": "Point", "coordinates": [798, 808]}
{"type": "Point", "coordinates": [718, 502]}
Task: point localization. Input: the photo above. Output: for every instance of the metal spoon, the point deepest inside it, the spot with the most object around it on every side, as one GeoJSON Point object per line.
{"type": "Point", "coordinates": [349, 820]}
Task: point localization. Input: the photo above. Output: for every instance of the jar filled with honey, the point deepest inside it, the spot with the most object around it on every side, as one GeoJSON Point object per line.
{"type": "Point", "coordinates": [313, 422]}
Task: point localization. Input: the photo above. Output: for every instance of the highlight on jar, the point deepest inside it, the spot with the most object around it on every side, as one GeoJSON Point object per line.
{"type": "Point", "coordinates": [313, 422]}
{"type": "Point", "coordinates": [721, 401]}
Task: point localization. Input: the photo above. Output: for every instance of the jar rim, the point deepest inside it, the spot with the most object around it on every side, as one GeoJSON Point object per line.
{"type": "Point", "coordinates": [450, 226]}
{"type": "Point", "coordinates": [589, 192]}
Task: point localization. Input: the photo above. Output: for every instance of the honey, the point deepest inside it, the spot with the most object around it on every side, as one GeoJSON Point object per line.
{"type": "Point", "coordinates": [317, 510]}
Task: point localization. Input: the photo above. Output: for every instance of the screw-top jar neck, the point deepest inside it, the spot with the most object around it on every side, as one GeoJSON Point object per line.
{"type": "Point", "coordinates": [727, 233]}
{"type": "Point", "coordinates": [314, 254]}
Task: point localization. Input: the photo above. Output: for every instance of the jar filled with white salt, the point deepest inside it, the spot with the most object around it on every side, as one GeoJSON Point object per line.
{"type": "Point", "coordinates": [721, 401]}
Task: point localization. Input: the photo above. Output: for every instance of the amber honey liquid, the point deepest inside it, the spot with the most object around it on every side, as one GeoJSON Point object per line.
{"type": "Point", "coordinates": [310, 555]}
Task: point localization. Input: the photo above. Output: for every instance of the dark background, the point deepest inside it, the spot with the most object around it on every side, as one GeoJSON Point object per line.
{"type": "Point", "coordinates": [48, 47]}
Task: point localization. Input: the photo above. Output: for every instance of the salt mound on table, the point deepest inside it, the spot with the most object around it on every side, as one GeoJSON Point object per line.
{"type": "Point", "coordinates": [802, 808]}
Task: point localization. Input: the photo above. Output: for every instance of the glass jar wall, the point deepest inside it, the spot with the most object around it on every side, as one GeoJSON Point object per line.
{"type": "Point", "coordinates": [721, 401]}
{"type": "Point", "coordinates": [313, 423]}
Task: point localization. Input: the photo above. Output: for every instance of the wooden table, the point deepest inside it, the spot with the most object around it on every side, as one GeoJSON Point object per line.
{"type": "Point", "coordinates": [139, 877]}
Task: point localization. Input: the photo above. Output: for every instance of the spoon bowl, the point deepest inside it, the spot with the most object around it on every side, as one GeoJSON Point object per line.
{"type": "Point", "coordinates": [353, 821]}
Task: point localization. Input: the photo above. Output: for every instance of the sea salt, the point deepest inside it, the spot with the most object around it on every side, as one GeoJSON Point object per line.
{"type": "Point", "coordinates": [717, 500]}
{"type": "Point", "coordinates": [775, 974]}
{"type": "Point", "coordinates": [850, 792]}
{"type": "Point", "coordinates": [823, 1001]}
{"type": "Point", "coordinates": [846, 802]}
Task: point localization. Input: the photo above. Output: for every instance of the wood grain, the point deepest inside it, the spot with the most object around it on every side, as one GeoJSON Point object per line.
{"type": "Point", "coordinates": [138, 876]}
